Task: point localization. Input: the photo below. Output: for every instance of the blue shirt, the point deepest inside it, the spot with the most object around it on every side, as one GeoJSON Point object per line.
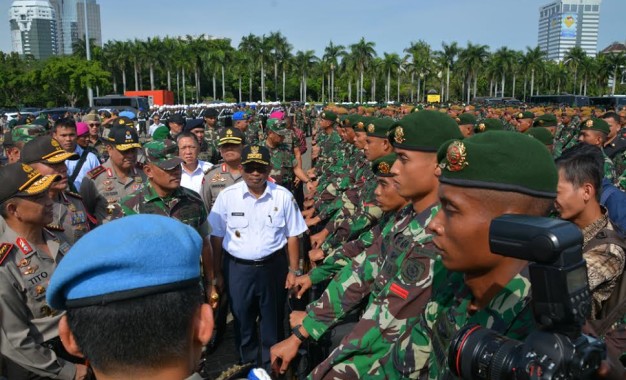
{"type": "Point", "coordinates": [91, 162]}
{"type": "Point", "coordinates": [255, 228]}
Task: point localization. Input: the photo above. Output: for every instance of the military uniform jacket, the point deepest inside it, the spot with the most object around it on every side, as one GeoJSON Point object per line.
{"type": "Point", "coordinates": [422, 352]}
{"type": "Point", "coordinates": [184, 205]}
{"type": "Point", "coordinates": [395, 276]}
{"type": "Point", "coordinates": [70, 216]}
{"type": "Point", "coordinates": [26, 321]}
{"type": "Point", "coordinates": [282, 162]}
{"type": "Point", "coordinates": [215, 180]}
{"type": "Point", "coordinates": [102, 190]}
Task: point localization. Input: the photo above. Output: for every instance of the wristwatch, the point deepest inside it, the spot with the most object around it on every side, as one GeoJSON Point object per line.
{"type": "Point", "coordinates": [297, 333]}
{"type": "Point", "coordinates": [297, 272]}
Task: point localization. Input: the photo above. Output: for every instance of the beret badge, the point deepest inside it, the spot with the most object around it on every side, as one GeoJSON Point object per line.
{"type": "Point", "coordinates": [384, 168]}
{"type": "Point", "coordinates": [398, 135]}
{"type": "Point", "coordinates": [371, 128]}
{"type": "Point", "coordinates": [456, 156]}
{"type": "Point", "coordinates": [520, 115]}
{"type": "Point", "coordinates": [589, 123]}
{"type": "Point", "coordinates": [481, 127]}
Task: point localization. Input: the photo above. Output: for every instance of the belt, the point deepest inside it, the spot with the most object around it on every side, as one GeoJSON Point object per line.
{"type": "Point", "coordinates": [257, 263]}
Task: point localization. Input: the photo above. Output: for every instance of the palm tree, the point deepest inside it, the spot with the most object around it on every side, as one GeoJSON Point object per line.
{"type": "Point", "coordinates": [350, 69]}
{"type": "Point", "coordinates": [363, 52]}
{"type": "Point", "coordinates": [152, 53]}
{"type": "Point", "coordinates": [332, 53]}
{"type": "Point", "coordinates": [421, 58]}
{"type": "Point", "coordinates": [533, 62]}
{"type": "Point", "coordinates": [449, 54]}
{"type": "Point", "coordinates": [278, 45]}
{"type": "Point", "coordinates": [391, 63]}
{"type": "Point", "coordinates": [615, 62]}
{"type": "Point", "coordinates": [505, 61]}
{"type": "Point", "coordinates": [168, 49]}
{"type": "Point", "coordinates": [573, 59]}
{"type": "Point", "coordinates": [304, 61]}
{"type": "Point", "coordinates": [471, 59]}
{"type": "Point", "coordinates": [136, 53]}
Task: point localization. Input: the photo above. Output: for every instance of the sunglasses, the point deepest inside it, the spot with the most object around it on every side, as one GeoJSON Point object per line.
{"type": "Point", "coordinates": [94, 124]}
{"type": "Point", "coordinates": [255, 168]}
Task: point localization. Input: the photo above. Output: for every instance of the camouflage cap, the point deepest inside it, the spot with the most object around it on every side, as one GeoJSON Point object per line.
{"type": "Point", "coordinates": [423, 131]}
{"type": "Point", "coordinates": [277, 126]}
{"type": "Point", "coordinates": [466, 118]}
{"type": "Point", "coordinates": [499, 160]}
{"type": "Point", "coordinates": [23, 133]}
{"type": "Point", "coordinates": [162, 153]}
{"type": "Point", "coordinates": [545, 120]}
{"type": "Point", "coordinates": [382, 166]}
{"type": "Point", "coordinates": [20, 179]}
{"type": "Point", "coordinates": [231, 136]}
{"type": "Point", "coordinates": [47, 150]}
{"type": "Point", "coordinates": [122, 138]}
{"type": "Point", "coordinates": [255, 154]}
{"type": "Point", "coordinates": [524, 115]}
{"type": "Point", "coordinates": [541, 134]}
{"type": "Point", "coordinates": [378, 127]}
{"type": "Point", "coordinates": [594, 124]}
{"type": "Point", "coordinates": [489, 124]}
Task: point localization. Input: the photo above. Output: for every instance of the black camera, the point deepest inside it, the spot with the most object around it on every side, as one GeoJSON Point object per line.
{"type": "Point", "coordinates": [561, 303]}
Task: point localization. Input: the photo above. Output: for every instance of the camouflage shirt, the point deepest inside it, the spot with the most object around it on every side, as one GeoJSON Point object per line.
{"type": "Point", "coordinates": [395, 276]}
{"type": "Point", "coordinates": [422, 352]}
{"type": "Point", "coordinates": [183, 204]}
{"type": "Point", "coordinates": [282, 160]}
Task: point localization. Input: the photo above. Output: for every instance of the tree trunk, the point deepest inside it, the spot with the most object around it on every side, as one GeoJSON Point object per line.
{"type": "Point", "coordinates": [350, 90]}
{"type": "Point", "coordinates": [503, 82]}
{"type": "Point", "coordinates": [239, 82]}
{"type": "Point", "coordinates": [262, 81]}
{"type": "Point", "coordinates": [275, 80]}
{"type": "Point", "coordinates": [136, 76]}
{"type": "Point", "coordinates": [223, 85]}
{"type": "Point", "coordinates": [514, 77]}
{"type": "Point", "coordinates": [412, 84]}
{"type": "Point", "coordinates": [214, 87]}
{"type": "Point", "coordinates": [448, 84]}
{"type": "Point", "coordinates": [388, 86]}
{"type": "Point", "coordinates": [469, 88]}
{"type": "Point", "coordinates": [184, 87]}
{"type": "Point", "coordinates": [250, 86]}
{"type": "Point", "coordinates": [124, 79]}
{"type": "Point", "coordinates": [197, 78]}
{"type": "Point", "coordinates": [114, 84]}
{"type": "Point", "coordinates": [614, 81]}
{"type": "Point", "coordinates": [475, 84]}
{"type": "Point", "coordinates": [398, 98]}
{"type": "Point", "coordinates": [177, 86]}
{"type": "Point", "coordinates": [361, 88]}
{"type": "Point", "coordinates": [491, 87]}
{"type": "Point", "coordinates": [284, 81]}
{"type": "Point", "coordinates": [419, 89]}
{"type": "Point", "coordinates": [151, 77]}
{"type": "Point", "coordinates": [532, 81]}
{"type": "Point", "coordinates": [332, 85]}
{"type": "Point", "coordinates": [323, 81]}
{"type": "Point", "coordinates": [525, 81]}
{"type": "Point", "coordinates": [169, 80]}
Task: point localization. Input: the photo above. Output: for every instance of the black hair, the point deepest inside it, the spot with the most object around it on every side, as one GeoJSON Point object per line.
{"type": "Point", "coordinates": [145, 332]}
{"type": "Point", "coordinates": [583, 163]}
{"type": "Point", "coordinates": [188, 135]}
{"type": "Point", "coordinates": [612, 115]}
{"type": "Point", "coordinates": [64, 123]}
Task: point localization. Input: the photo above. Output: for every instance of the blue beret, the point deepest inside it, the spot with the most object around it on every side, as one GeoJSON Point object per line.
{"type": "Point", "coordinates": [240, 115]}
{"type": "Point", "coordinates": [193, 124]}
{"type": "Point", "coordinates": [128, 114]}
{"type": "Point", "coordinates": [131, 257]}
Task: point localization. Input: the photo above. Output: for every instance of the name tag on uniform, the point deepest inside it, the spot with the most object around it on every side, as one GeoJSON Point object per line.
{"type": "Point", "coordinates": [237, 214]}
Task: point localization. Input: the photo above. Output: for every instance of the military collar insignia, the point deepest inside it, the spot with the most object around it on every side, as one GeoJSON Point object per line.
{"type": "Point", "coordinates": [456, 156]}
{"type": "Point", "coordinates": [399, 135]}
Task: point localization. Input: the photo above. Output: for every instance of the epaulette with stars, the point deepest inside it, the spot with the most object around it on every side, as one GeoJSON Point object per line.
{"type": "Point", "coordinates": [55, 227]}
{"type": "Point", "coordinates": [73, 194]}
{"type": "Point", "coordinates": [5, 249]}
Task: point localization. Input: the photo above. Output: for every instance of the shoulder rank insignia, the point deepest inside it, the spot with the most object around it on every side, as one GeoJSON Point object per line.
{"type": "Point", "coordinates": [73, 194]}
{"type": "Point", "coordinates": [55, 227]}
{"type": "Point", "coordinates": [5, 249]}
{"type": "Point", "coordinates": [93, 173]}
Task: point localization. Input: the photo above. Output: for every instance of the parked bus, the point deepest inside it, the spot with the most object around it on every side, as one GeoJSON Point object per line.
{"type": "Point", "coordinates": [121, 102]}
{"type": "Point", "coordinates": [570, 100]}
{"type": "Point", "coordinates": [614, 102]}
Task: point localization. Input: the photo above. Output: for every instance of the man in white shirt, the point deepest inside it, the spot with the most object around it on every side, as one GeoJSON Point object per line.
{"type": "Point", "coordinates": [64, 131]}
{"type": "Point", "coordinates": [193, 169]}
{"type": "Point", "coordinates": [253, 222]}
{"type": "Point", "coordinates": [156, 123]}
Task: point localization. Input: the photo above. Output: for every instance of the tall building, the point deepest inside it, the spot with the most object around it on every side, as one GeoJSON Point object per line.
{"type": "Point", "coordinates": [93, 21]}
{"type": "Point", "coordinates": [564, 24]}
{"type": "Point", "coordinates": [33, 28]}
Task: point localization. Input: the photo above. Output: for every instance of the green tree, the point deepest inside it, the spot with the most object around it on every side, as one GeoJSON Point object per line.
{"type": "Point", "coordinates": [332, 54]}
{"type": "Point", "coordinates": [304, 62]}
{"type": "Point", "coordinates": [363, 53]}
{"type": "Point", "coordinates": [449, 55]}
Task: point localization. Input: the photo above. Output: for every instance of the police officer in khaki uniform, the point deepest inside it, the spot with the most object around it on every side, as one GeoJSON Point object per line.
{"type": "Point", "coordinates": [29, 254]}
{"type": "Point", "coordinates": [228, 171]}
{"type": "Point", "coordinates": [104, 186]}
{"type": "Point", "coordinates": [47, 157]}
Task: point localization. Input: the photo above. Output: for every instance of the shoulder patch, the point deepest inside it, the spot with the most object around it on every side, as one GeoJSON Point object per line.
{"type": "Point", "coordinates": [55, 227]}
{"type": "Point", "coordinates": [5, 249]}
{"type": "Point", "coordinates": [93, 173]}
{"type": "Point", "coordinates": [73, 194]}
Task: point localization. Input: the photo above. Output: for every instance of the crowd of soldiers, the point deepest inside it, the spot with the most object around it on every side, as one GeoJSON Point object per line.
{"type": "Point", "coordinates": [397, 203]}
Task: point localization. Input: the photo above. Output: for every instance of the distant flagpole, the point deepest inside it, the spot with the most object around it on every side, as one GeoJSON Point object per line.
{"type": "Point", "coordinates": [88, 51]}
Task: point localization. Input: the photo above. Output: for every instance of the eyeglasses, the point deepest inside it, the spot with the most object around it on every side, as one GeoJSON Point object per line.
{"type": "Point", "coordinates": [255, 168]}
{"type": "Point", "coordinates": [94, 124]}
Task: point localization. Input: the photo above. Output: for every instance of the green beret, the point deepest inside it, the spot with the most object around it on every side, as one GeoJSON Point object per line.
{"type": "Point", "coordinates": [545, 120]}
{"type": "Point", "coordinates": [361, 123]}
{"type": "Point", "coordinates": [378, 127]}
{"type": "Point", "coordinates": [466, 118]}
{"type": "Point", "coordinates": [330, 116]}
{"type": "Point", "coordinates": [382, 166]}
{"type": "Point", "coordinates": [499, 160]}
{"type": "Point", "coordinates": [349, 121]}
{"type": "Point", "coordinates": [423, 131]}
{"type": "Point", "coordinates": [524, 115]}
{"type": "Point", "coordinates": [489, 125]}
{"type": "Point", "coordinates": [595, 124]}
{"type": "Point", "coordinates": [541, 134]}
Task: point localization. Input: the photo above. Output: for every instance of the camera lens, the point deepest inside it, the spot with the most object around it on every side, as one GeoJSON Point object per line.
{"type": "Point", "coordinates": [479, 353]}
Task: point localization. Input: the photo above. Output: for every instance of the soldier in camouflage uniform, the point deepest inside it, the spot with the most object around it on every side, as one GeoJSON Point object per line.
{"type": "Point", "coordinates": [595, 132]}
{"type": "Point", "coordinates": [394, 275]}
{"type": "Point", "coordinates": [104, 186]}
{"type": "Point", "coordinates": [211, 135]}
{"type": "Point", "coordinates": [254, 133]}
{"type": "Point", "coordinates": [615, 147]}
{"type": "Point", "coordinates": [163, 195]}
{"type": "Point", "coordinates": [481, 178]}
{"type": "Point", "coordinates": [15, 139]}
{"type": "Point", "coordinates": [284, 167]}
{"type": "Point", "coordinates": [48, 158]}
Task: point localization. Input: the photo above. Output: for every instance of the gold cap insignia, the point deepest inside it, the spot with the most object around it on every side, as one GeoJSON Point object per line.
{"type": "Point", "coordinates": [456, 156]}
{"type": "Point", "coordinates": [254, 149]}
{"type": "Point", "coordinates": [337, 120]}
{"type": "Point", "coordinates": [482, 127]}
{"type": "Point", "coordinates": [359, 125]}
{"type": "Point", "coordinates": [229, 133]}
{"type": "Point", "coordinates": [371, 128]}
{"type": "Point", "coordinates": [520, 115]}
{"type": "Point", "coordinates": [589, 123]}
{"type": "Point", "coordinates": [55, 144]}
{"type": "Point", "coordinates": [384, 168]}
{"type": "Point", "coordinates": [128, 136]}
{"type": "Point", "coordinates": [540, 122]}
{"type": "Point", "coordinates": [323, 115]}
{"type": "Point", "coordinates": [398, 135]}
{"type": "Point", "coordinates": [457, 120]}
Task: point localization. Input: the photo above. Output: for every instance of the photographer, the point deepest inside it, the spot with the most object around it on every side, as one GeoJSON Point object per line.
{"type": "Point", "coordinates": [482, 177]}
